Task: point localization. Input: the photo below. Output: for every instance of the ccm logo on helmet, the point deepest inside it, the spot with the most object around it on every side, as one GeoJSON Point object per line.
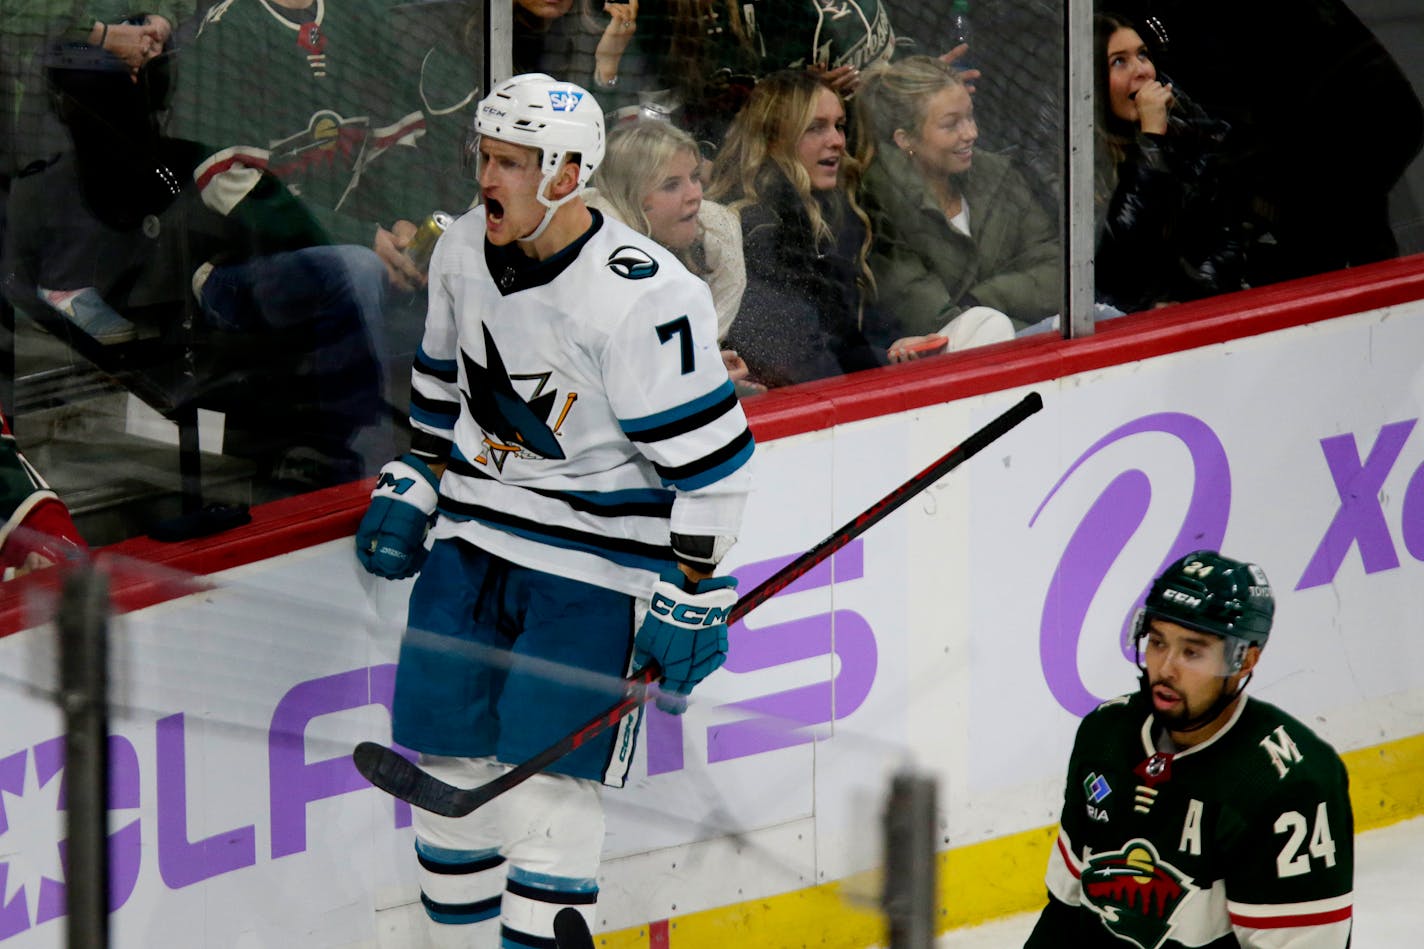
{"type": "Point", "coordinates": [1177, 596]}
{"type": "Point", "coordinates": [687, 614]}
{"type": "Point", "coordinates": [564, 100]}
{"type": "Point", "coordinates": [631, 263]}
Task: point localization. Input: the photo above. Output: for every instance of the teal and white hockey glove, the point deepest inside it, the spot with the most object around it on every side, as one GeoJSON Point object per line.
{"type": "Point", "coordinates": [685, 631]}
{"type": "Point", "coordinates": [391, 539]}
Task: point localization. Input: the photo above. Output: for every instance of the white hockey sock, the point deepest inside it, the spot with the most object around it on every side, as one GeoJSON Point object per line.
{"type": "Point", "coordinates": [532, 900]}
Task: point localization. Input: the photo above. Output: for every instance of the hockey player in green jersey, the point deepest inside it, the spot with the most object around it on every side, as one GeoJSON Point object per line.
{"type": "Point", "coordinates": [1195, 815]}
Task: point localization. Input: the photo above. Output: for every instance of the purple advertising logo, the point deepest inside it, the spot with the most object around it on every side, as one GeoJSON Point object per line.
{"type": "Point", "coordinates": [124, 844]}
{"type": "Point", "coordinates": [1104, 531]}
{"type": "Point", "coordinates": [1359, 521]}
{"type": "Point", "coordinates": [787, 718]}
{"type": "Point", "coordinates": [294, 782]}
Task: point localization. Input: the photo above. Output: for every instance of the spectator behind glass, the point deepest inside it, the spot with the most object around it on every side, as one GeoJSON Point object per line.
{"type": "Point", "coordinates": [566, 40]}
{"type": "Point", "coordinates": [961, 242]}
{"type": "Point", "coordinates": [145, 227]}
{"type": "Point", "coordinates": [702, 57]}
{"type": "Point", "coordinates": [1170, 228]}
{"type": "Point", "coordinates": [785, 170]}
{"type": "Point", "coordinates": [698, 60]}
{"type": "Point", "coordinates": [1297, 79]}
{"type": "Point", "coordinates": [331, 104]}
{"type": "Point", "coordinates": [651, 180]}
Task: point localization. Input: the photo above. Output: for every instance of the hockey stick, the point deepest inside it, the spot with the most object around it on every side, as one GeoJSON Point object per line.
{"type": "Point", "coordinates": [394, 774]}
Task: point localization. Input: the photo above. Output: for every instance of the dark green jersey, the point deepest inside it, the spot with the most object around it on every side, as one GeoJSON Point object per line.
{"type": "Point", "coordinates": [1244, 840]}
{"type": "Point", "coordinates": [339, 97]}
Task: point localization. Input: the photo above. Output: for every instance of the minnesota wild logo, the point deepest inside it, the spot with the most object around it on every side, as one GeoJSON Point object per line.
{"type": "Point", "coordinates": [1135, 893]}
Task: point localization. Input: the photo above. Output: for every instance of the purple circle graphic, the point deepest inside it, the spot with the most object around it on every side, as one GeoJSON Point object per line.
{"type": "Point", "coordinates": [1104, 531]}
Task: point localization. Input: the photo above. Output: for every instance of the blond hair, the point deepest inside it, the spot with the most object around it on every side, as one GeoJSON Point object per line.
{"type": "Point", "coordinates": [896, 95]}
{"type": "Point", "coordinates": [633, 165]}
{"type": "Point", "coordinates": [760, 149]}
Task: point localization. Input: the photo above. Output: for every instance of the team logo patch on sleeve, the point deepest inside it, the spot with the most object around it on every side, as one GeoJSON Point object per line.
{"type": "Point", "coordinates": [1135, 893]}
{"type": "Point", "coordinates": [630, 263]}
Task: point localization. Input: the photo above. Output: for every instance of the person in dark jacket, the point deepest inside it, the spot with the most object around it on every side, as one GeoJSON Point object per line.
{"type": "Point", "coordinates": [1295, 79]}
{"type": "Point", "coordinates": [1171, 223]}
{"type": "Point", "coordinates": [166, 232]}
{"type": "Point", "coordinates": [956, 229]}
{"type": "Point", "coordinates": [786, 171]}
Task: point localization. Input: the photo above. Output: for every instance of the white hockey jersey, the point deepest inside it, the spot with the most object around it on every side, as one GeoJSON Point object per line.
{"type": "Point", "coordinates": [581, 403]}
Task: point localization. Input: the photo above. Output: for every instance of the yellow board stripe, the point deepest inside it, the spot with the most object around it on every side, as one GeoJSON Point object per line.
{"type": "Point", "coordinates": [981, 881]}
{"type": "Point", "coordinates": [1386, 782]}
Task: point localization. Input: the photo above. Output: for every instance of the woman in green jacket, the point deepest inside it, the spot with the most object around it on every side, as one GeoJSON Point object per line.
{"type": "Point", "coordinates": [962, 246]}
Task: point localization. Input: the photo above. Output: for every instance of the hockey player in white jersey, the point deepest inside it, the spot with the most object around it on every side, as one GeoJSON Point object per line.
{"type": "Point", "coordinates": [579, 452]}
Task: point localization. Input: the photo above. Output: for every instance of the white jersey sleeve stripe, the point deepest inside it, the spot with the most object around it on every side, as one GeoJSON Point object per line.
{"type": "Point", "coordinates": [228, 176]}
{"type": "Point", "coordinates": [629, 502]}
{"type": "Point", "coordinates": [1064, 877]}
{"type": "Point", "coordinates": [622, 551]}
{"type": "Point", "coordinates": [1307, 935]}
{"type": "Point", "coordinates": [684, 418]}
{"type": "Point", "coordinates": [1276, 915]}
{"type": "Point", "coordinates": [434, 393]}
{"type": "Point", "coordinates": [709, 469]}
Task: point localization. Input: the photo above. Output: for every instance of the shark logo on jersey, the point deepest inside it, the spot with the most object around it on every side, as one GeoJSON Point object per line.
{"type": "Point", "coordinates": [630, 263]}
{"type": "Point", "coordinates": [511, 424]}
{"type": "Point", "coordinates": [1135, 894]}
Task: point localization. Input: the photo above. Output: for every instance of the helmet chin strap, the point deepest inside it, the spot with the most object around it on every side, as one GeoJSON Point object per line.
{"type": "Point", "coordinates": [550, 206]}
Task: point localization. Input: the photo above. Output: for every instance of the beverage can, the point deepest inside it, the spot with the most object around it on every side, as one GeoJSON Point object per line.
{"type": "Point", "coordinates": [422, 245]}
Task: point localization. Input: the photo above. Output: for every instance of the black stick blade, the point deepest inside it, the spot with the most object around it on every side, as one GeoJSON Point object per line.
{"type": "Point", "coordinates": [400, 778]}
{"type": "Point", "coordinates": [571, 931]}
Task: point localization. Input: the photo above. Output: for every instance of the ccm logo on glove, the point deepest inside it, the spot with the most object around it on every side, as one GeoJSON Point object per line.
{"type": "Point", "coordinates": [688, 614]}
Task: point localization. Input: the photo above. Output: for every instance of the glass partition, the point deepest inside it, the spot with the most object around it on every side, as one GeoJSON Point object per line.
{"type": "Point", "coordinates": [216, 216]}
{"type": "Point", "coordinates": [217, 224]}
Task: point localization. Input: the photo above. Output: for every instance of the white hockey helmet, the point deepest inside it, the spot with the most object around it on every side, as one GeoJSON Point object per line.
{"type": "Point", "coordinates": [558, 118]}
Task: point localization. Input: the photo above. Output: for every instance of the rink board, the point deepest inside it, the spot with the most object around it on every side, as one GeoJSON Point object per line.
{"type": "Point", "coordinates": [965, 636]}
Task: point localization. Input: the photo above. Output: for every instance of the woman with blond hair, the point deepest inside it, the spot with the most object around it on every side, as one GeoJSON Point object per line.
{"type": "Point", "coordinates": [785, 170]}
{"type": "Point", "coordinates": [651, 180]}
{"type": "Point", "coordinates": [962, 246]}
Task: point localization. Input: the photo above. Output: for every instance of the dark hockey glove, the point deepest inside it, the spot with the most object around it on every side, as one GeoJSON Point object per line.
{"type": "Point", "coordinates": [391, 539]}
{"type": "Point", "coordinates": [685, 632]}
